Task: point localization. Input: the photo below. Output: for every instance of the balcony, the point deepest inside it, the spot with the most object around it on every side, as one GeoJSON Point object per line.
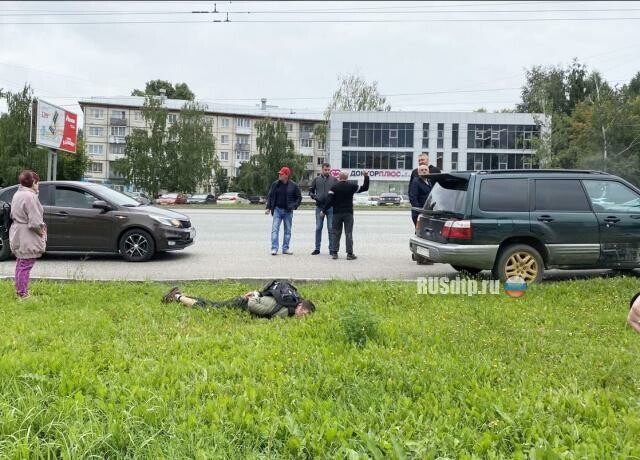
{"type": "Point", "coordinates": [117, 140]}
{"type": "Point", "coordinates": [243, 147]}
{"type": "Point", "coordinates": [243, 129]}
{"type": "Point", "coordinates": [306, 134]}
{"type": "Point", "coordinates": [118, 121]}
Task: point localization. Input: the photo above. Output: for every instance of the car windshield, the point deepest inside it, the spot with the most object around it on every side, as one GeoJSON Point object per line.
{"type": "Point", "coordinates": [447, 199]}
{"type": "Point", "coordinates": [115, 197]}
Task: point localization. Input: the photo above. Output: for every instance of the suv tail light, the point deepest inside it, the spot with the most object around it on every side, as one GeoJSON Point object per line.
{"type": "Point", "coordinates": [459, 229]}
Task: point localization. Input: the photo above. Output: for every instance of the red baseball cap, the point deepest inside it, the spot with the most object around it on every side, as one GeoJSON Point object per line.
{"type": "Point", "coordinates": [285, 170]}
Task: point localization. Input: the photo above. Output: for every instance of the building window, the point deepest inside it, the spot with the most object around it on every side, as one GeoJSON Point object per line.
{"type": "Point", "coordinates": [319, 161]}
{"type": "Point", "coordinates": [224, 139]}
{"type": "Point", "coordinates": [289, 127]}
{"type": "Point", "coordinates": [224, 156]}
{"type": "Point", "coordinates": [98, 114]}
{"type": "Point", "coordinates": [117, 114]}
{"type": "Point", "coordinates": [511, 137]}
{"type": "Point", "coordinates": [95, 149]}
{"type": "Point", "coordinates": [440, 135]}
{"type": "Point", "coordinates": [306, 143]}
{"type": "Point", "coordinates": [440, 160]}
{"type": "Point", "coordinates": [377, 135]}
{"type": "Point", "coordinates": [242, 156]}
{"type": "Point", "coordinates": [118, 131]}
{"type": "Point", "coordinates": [425, 135]}
{"type": "Point", "coordinates": [242, 139]}
{"type": "Point", "coordinates": [377, 160]}
{"type": "Point", "coordinates": [320, 144]}
{"type": "Point", "coordinates": [454, 161]}
{"type": "Point", "coordinates": [137, 116]}
{"type": "Point", "coordinates": [95, 167]}
{"type": "Point", "coordinates": [117, 149]}
{"type": "Point", "coordinates": [243, 123]}
{"type": "Point", "coordinates": [486, 160]}
{"type": "Point", "coordinates": [454, 135]}
{"type": "Point", "coordinates": [95, 131]}
{"type": "Point", "coordinates": [224, 123]}
{"type": "Point", "coordinates": [172, 118]}
{"type": "Point", "coordinates": [309, 159]}
{"type": "Point", "coordinates": [307, 128]}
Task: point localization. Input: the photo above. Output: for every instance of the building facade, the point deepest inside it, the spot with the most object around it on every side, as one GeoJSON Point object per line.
{"type": "Point", "coordinates": [108, 121]}
{"type": "Point", "coordinates": [388, 143]}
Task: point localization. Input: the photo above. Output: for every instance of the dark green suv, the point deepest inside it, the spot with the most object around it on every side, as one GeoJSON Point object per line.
{"type": "Point", "coordinates": [521, 222]}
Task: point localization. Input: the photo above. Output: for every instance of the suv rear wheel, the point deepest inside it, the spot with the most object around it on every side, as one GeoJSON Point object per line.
{"type": "Point", "coordinates": [137, 246]}
{"type": "Point", "coordinates": [519, 260]}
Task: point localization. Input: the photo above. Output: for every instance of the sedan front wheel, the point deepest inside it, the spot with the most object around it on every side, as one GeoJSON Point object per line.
{"type": "Point", "coordinates": [137, 246]}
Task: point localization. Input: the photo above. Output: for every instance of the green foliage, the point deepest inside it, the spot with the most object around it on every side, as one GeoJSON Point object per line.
{"type": "Point", "coordinates": [72, 166]}
{"type": "Point", "coordinates": [176, 158]}
{"type": "Point", "coordinates": [275, 150]}
{"type": "Point", "coordinates": [358, 325]}
{"type": "Point", "coordinates": [153, 87]}
{"type": "Point", "coordinates": [16, 150]}
{"type": "Point", "coordinates": [220, 179]}
{"type": "Point", "coordinates": [104, 370]}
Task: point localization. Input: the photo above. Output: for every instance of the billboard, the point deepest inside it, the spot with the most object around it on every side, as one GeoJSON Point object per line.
{"type": "Point", "coordinates": [54, 127]}
{"type": "Point", "coordinates": [376, 174]}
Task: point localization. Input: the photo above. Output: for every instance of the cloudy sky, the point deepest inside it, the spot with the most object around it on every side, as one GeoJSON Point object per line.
{"type": "Point", "coordinates": [439, 56]}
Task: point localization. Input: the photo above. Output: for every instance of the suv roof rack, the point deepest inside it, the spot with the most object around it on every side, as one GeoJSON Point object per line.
{"type": "Point", "coordinates": [540, 171]}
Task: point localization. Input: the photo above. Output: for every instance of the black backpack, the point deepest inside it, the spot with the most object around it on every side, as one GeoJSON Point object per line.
{"type": "Point", "coordinates": [285, 294]}
{"type": "Point", "coordinates": [5, 216]}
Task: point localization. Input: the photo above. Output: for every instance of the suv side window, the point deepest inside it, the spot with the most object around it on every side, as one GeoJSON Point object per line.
{"type": "Point", "coordinates": [73, 198]}
{"type": "Point", "coordinates": [611, 196]}
{"type": "Point", "coordinates": [504, 195]}
{"type": "Point", "coordinates": [560, 195]}
{"type": "Point", "coordinates": [7, 194]}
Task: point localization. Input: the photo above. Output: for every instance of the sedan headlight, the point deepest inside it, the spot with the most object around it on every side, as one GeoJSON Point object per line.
{"type": "Point", "coordinates": [167, 221]}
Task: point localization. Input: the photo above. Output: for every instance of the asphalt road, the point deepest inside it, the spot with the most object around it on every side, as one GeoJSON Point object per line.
{"type": "Point", "coordinates": [236, 244]}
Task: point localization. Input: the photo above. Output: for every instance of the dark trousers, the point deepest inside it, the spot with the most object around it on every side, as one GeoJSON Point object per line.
{"type": "Point", "coordinates": [236, 302]}
{"type": "Point", "coordinates": [340, 219]}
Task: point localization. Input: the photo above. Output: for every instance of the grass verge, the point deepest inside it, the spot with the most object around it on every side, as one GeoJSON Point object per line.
{"type": "Point", "coordinates": [106, 370]}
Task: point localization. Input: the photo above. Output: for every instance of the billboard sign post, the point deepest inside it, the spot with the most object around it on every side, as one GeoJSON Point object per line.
{"type": "Point", "coordinates": [55, 128]}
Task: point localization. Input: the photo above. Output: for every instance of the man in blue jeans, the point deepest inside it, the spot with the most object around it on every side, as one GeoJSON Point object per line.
{"type": "Point", "coordinates": [284, 196]}
{"type": "Point", "coordinates": [319, 191]}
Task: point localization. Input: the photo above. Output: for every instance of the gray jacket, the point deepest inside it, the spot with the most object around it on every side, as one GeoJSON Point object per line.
{"type": "Point", "coordinates": [27, 214]}
{"type": "Point", "coordinates": [320, 187]}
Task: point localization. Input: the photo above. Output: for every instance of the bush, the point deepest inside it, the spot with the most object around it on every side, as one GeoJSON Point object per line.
{"type": "Point", "coordinates": [358, 325]}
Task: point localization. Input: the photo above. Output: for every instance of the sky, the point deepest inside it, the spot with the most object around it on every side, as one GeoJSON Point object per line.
{"type": "Point", "coordinates": [425, 56]}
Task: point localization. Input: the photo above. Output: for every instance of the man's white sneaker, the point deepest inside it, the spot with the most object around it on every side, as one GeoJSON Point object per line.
{"type": "Point", "coordinates": [273, 252]}
{"type": "Point", "coordinates": [288, 252]}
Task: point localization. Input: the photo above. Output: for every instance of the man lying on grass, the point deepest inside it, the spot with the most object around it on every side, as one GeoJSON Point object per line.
{"type": "Point", "coordinates": [634, 313]}
{"type": "Point", "coordinates": [277, 299]}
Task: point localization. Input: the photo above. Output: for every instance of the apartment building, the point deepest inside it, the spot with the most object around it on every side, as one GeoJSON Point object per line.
{"type": "Point", "coordinates": [388, 143]}
{"type": "Point", "coordinates": [107, 122]}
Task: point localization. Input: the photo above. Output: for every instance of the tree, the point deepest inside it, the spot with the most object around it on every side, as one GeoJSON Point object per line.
{"type": "Point", "coordinates": [220, 179]}
{"type": "Point", "coordinates": [177, 158]}
{"type": "Point", "coordinates": [353, 94]}
{"type": "Point", "coordinates": [275, 150]}
{"type": "Point", "coordinates": [153, 87]}
{"type": "Point", "coordinates": [16, 150]}
{"type": "Point", "coordinates": [72, 166]}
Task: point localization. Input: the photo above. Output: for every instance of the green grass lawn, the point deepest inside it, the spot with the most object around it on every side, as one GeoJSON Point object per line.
{"type": "Point", "coordinates": [106, 370]}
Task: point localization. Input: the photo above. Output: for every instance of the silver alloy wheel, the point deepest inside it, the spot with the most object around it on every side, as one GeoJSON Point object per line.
{"type": "Point", "coordinates": [136, 246]}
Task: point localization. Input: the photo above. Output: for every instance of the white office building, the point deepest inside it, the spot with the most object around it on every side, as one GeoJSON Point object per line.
{"type": "Point", "coordinates": [388, 143]}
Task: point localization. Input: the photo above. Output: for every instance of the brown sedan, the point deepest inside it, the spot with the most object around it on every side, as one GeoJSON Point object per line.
{"type": "Point", "coordinates": [85, 217]}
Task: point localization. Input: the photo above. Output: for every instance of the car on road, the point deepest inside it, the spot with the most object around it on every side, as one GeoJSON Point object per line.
{"type": "Point", "coordinates": [140, 197]}
{"type": "Point", "coordinates": [389, 199]}
{"type": "Point", "coordinates": [363, 200]}
{"type": "Point", "coordinates": [91, 218]}
{"type": "Point", "coordinates": [257, 199]}
{"type": "Point", "coordinates": [172, 198]}
{"type": "Point", "coordinates": [519, 223]}
{"type": "Point", "coordinates": [205, 198]}
{"type": "Point", "coordinates": [233, 198]}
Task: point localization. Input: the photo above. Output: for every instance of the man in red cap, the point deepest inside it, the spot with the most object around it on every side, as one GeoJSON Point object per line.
{"type": "Point", "coordinates": [284, 196]}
